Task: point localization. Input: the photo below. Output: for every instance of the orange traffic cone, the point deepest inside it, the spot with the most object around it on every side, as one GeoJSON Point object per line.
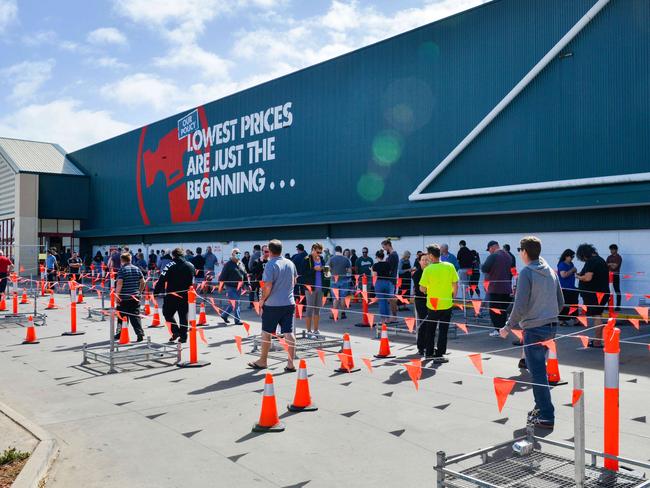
{"type": "Point", "coordinates": [302, 399]}
{"type": "Point", "coordinates": [14, 301]}
{"type": "Point", "coordinates": [269, 420]}
{"type": "Point", "coordinates": [384, 345]}
{"type": "Point", "coordinates": [30, 335]}
{"type": "Point", "coordinates": [347, 361]}
{"type": "Point", "coordinates": [147, 306]}
{"type": "Point", "coordinates": [23, 299]}
{"type": "Point", "coordinates": [124, 330]}
{"type": "Point", "coordinates": [80, 295]}
{"type": "Point", "coordinates": [553, 368]}
{"type": "Point", "coordinates": [51, 305]}
{"type": "Point", "coordinates": [156, 315]}
{"type": "Point", "coordinates": [203, 320]}
{"type": "Point", "coordinates": [3, 303]}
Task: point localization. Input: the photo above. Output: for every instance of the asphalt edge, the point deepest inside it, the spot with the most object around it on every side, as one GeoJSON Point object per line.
{"type": "Point", "coordinates": [42, 457]}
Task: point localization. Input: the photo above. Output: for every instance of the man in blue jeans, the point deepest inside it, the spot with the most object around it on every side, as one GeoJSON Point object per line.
{"type": "Point", "coordinates": [538, 302]}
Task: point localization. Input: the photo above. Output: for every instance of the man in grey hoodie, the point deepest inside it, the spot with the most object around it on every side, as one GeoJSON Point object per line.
{"type": "Point", "coordinates": [538, 302]}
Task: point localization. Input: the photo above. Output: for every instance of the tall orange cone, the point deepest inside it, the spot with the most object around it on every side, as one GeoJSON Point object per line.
{"type": "Point", "coordinates": [73, 311]}
{"type": "Point", "coordinates": [3, 303]}
{"type": "Point", "coordinates": [302, 399]}
{"type": "Point", "coordinates": [24, 300]}
{"type": "Point", "coordinates": [347, 365]}
{"type": "Point", "coordinates": [156, 315]}
{"type": "Point", "coordinates": [51, 305]}
{"type": "Point", "coordinates": [14, 302]}
{"type": "Point", "coordinates": [612, 415]}
{"type": "Point", "coordinates": [30, 335]}
{"type": "Point", "coordinates": [194, 361]}
{"type": "Point", "coordinates": [384, 345]}
{"type": "Point", "coordinates": [203, 320]}
{"type": "Point", "coordinates": [269, 420]}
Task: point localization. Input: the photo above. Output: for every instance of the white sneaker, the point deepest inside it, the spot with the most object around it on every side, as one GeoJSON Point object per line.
{"type": "Point", "coordinates": [317, 335]}
{"type": "Point", "coordinates": [495, 333]}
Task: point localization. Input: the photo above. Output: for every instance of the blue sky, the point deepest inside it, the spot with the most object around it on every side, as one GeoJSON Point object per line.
{"type": "Point", "coordinates": [77, 72]}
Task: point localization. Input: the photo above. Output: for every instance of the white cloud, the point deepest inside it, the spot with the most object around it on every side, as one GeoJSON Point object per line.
{"type": "Point", "coordinates": [108, 62]}
{"type": "Point", "coordinates": [38, 38]}
{"type": "Point", "coordinates": [106, 35]}
{"type": "Point", "coordinates": [142, 89]}
{"type": "Point", "coordinates": [26, 78]}
{"type": "Point", "coordinates": [8, 13]}
{"type": "Point", "coordinates": [62, 121]}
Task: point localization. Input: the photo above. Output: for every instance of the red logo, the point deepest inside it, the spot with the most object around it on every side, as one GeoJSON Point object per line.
{"type": "Point", "coordinates": [167, 158]}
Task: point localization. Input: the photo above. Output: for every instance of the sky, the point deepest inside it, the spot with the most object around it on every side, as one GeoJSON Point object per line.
{"type": "Point", "coordinates": [76, 72]}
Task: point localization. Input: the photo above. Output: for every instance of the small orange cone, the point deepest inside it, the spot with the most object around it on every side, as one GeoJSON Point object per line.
{"type": "Point", "coordinates": [24, 299]}
{"type": "Point", "coordinates": [552, 365]}
{"type": "Point", "coordinates": [147, 306]}
{"type": "Point", "coordinates": [156, 315]}
{"type": "Point", "coordinates": [302, 399]}
{"type": "Point", "coordinates": [203, 320]}
{"type": "Point", "coordinates": [30, 335]}
{"type": "Point", "coordinates": [51, 305]}
{"type": "Point", "coordinates": [269, 420]}
{"type": "Point", "coordinates": [124, 330]}
{"type": "Point", "coordinates": [80, 295]}
{"type": "Point", "coordinates": [347, 366]}
{"type": "Point", "coordinates": [3, 303]}
{"type": "Point", "coordinates": [384, 345]}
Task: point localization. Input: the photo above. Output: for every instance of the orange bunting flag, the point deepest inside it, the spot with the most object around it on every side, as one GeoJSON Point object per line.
{"type": "Point", "coordinates": [414, 371]}
{"type": "Point", "coordinates": [237, 343]}
{"type": "Point", "coordinates": [513, 271]}
{"type": "Point", "coordinates": [308, 287]}
{"type": "Point", "coordinates": [345, 362]}
{"type": "Point", "coordinates": [550, 345]}
{"type": "Point", "coordinates": [600, 295]}
{"type": "Point", "coordinates": [477, 307]}
{"type": "Point", "coordinates": [202, 336]}
{"type": "Point", "coordinates": [634, 322]}
{"type": "Point", "coordinates": [299, 307]}
{"type": "Point", "coordinates": [220, 287]}
{"type": "Point", "coordinates": [577, 393]}
{"type": "Point", "coordinates": [477, 361]}
{"type": "Point", "coordinates": [284, 344]}
{"type": "Point", "coordinates": [256, 305]}
{"type": "Point", "coordinates": [169, 327]}
{"type": "Point", "coordinates": [583, 320]}
{"type": "Point", "coordinates": [469, 272]}
{"type": "Point", "coordinates": [473, 288]}
{"type": "Point", "coordinates": [262, 284]}
{"type": "Point", "coordinates": [519, 334]}
{"type": "Point", "coordinates": [336, 278]}
{"type": "Point", "coordinates": [335, 314]}
{"type": "Point", "coordinates": [495, 310]}
{"type": "Point", "coordinates": [486, 285]}
{"type": "Point", "coordinates": [335, 292]}
{"type": "Point", "coordinates": [502, 388]}
{"type": "Point", "coordinates": [347, 300]}
{"type": "Point", "coordinates": [372, 300]}
{"type": "Point", "coordinates": [239, 285]}
{"type": "Point", "coordinates": [374, 280]}
{"type": "Point", "coordinates": [324, 301]}
{"type": "Point", "coordinates": [410, 323]}
{"type": "Point", "coordinates": [434, 302]}
{"type": "Point", "coordinates": [371, 319]}
{"type": "Point", "coordinates": [233, 304]}
{"type": "Point", "coordinates": [628, 296]}
{"type": "Point", "coordinates": [368, 363]}
{"type": "Point", "coordinates": [321, 355]}
{"type": "Point", "coordinates": [462, 327]}
{"type": "Point", "coordinates": [627, 277]}
{"type": "Point", "coordinates": [247, 327]}
{"type": "Point", "coordinates": [585, 340]}
{"type": "Point", "coordinates": [459, 305]}
{"type": "Point", "coordinates": [572, 310]}
{"type": "Point", "coordinates": [398, 284]}
{"type": "Point", "coordinates": [643, 312]}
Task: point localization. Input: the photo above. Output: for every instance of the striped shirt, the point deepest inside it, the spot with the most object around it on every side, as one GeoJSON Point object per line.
{"type": "Point", "coordinates": [130, 276]}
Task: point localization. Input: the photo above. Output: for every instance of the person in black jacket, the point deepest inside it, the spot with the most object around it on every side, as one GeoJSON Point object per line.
{"type": "Point", "coordinates": [313, 280]}
{"type": "Point", "coordinates": [232, 275]}
{"type": "Point", "coordinates": [175, 280]}
{"type": "Point", "coordinates": [257, 270]}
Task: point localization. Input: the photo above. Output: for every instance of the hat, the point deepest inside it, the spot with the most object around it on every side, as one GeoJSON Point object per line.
{"type": "Point", "coordinates": [490, 244]}
{"type": "Point", "coordinates": [300, 247]}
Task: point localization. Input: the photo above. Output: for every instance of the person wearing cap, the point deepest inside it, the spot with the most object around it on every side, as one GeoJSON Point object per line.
{"type": "Point", "coordinates": [175, 280]}
{"type": "Point", "coordinates": [499, 277]}
{"type": "Point", "coordinates": [128, 294]}
{"type": "Point", "coordinates": [232, 274]}
{"type": "Point", "coordinates": [298, 261]}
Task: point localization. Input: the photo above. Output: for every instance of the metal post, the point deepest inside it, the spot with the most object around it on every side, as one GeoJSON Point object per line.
{"type": "Point", "coordinates": [103, 293]}
{"type": "Point", "coordinates": [440, 464]}
{"type": "Point", "coordinates": [111, 327]}
{"type": "Point", "coordinates": [579, 429]}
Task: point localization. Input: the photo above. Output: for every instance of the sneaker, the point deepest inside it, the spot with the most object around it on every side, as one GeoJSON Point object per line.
{"type": "Point", "coordinates": [317, 335]}
{"type": "Point", "coordinates": [173, 339]}
{"type": "Point", "coordinates": [495, 333]}
{"type": "Point", "coordinates": [140, 339]}
{"type": "Point", "coordinates": [533, 414]}
{"type": "Point", "coordinates": [117, 336]}
{"type": "Point", "coordinates": [225, 320]}
{"type": "Point", "coordinates": [182, 340]}
{"type": "Point", "coordinates": [541, 423]}
{"type": "Point", "coordinates": [440, 359]}
{"type": "Point", "coordinates": [522, 364]}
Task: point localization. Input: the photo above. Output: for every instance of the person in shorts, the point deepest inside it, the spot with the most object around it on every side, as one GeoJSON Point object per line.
{"type": "Point", "coordinates": [312, 280]}
{"type": "Point", "coordinates": [594, 288]}
{"type": "Point", "coordinates": [340, 266]}
{"type": "Point", "coordinates": [278, 305]}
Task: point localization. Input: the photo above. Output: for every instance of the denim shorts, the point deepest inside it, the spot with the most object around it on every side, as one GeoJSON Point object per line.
{"type": "Point", "coordinates": [274, 316]}
{"type": "Point", "coordinates": [343, 285]}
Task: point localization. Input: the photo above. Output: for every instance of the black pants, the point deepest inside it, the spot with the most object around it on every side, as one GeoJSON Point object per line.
{"type": "Point", "coordinates": [436, 319]}
{"type": "Point", "coordinates": [570, 300]}
{"type": "Point", "coordinates": [617, 288]}
{"type": "Point", "coordinates": [499, 301]}
{"type": "Point", "coordinates": [421, 312]}
{"type": "Point", "coordinates": [129, 308]}
{"type": "Point", "coordinates": [171, 306]}
{"type": "Point", "coordinates": [3, 282]}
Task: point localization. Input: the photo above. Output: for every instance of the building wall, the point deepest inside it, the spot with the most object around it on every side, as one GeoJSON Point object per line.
{"type": "Point", "coordinates": [366, 128]}
{"type": "Point", "coordinates": [26, 230]}
{"type": "Point", "coordinates": [7, 190]}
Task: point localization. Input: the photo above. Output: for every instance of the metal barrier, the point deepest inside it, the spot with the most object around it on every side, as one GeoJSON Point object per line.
{"type": "Point", "coordinates": [303, 343]}
{"type": "Point", "coordinates": [528, 466]}
{"type": "Point", "coordinates": [40, 319]}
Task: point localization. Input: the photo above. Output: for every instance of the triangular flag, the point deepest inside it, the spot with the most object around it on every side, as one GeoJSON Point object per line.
{"type": "Point", "coordinates": [247, 327]}
{"type": "Point", "coordinates": [628, 296]}
{"type": "Point", "coordinates": [220, 287]}
{"type": "Point", "coordinates": [477, 307]}
{"type": "Point", "coordinates": [284, 344]}
{"type": "Point", "coordinates": [169, 327]}
{"type": "Point", "coordinates": [256, 305]}
{"type": "Point", "coordinates": [299, 307]}
{"type": "Point", "coordinates": [324, 301]}
{"type": "Point", "coordinates": [336, 278]}
{"type": "Point", "coordinates": [308, 287]}
{"type": "Point", "coordinates": [371, 319]}
{"type": "Point", "coordinates": [335, 314]}
{"type": "Point", "coordinates": [335, 292]}
{"type": "Point", "coordinates": [347, 301]}
{"type": "Point", "coordinates": [374, 280]}
{"type": "Point", "coordinates": [572, 310]}
{"type": "Point", "coordinates": [398, 284]}
{"type": "Point", "coordinates": [202, 336]}
{"type": "Point", "coordinates": [577, 393]}
{"type": "Point", "coordinates": [434, 302]}
{"type": "Point", "coordinates": [550, 345]}
{"type": "Point", "coordinates": [518, 333]}
{"type": "Point", "coordinates": [239, 285]}
{"type": "Point", "coordinates": [345, 363]}
{"type": "Point", "coordinates": [238, 343]}
{"type": "Point", "coordinates": [262, 285]}
{"type": "Point", "coordinates": [211, 300]}
{"type": "Point", "coordinates": [462, 327]}
{"type": "Point", "coordinates": [600, 295]}
{"type": "Point", "coordinates": [373, 300]}
{"type": "Point", "coordinates": [495, 310]}
{"type": "Point", "coordinates": [486, 285]}
{"type": "Point", "coordinates": [582, 319]}
{"type": "Point", "coordinates": [414, 371]}
{"type": "Point", "coordinates": [502, 388]}
{"type": "Point", "coordinates": [233, 304]}
{"type": "Point", "coordinates": [635, 323]}
{"type": "Point", "coordinates": [477, 362]}
{"type": "Point", "coordinates": [321, 355]}
{"type": "Point", "coordinates": [584, 339]}
{"type": "Point", "coordinates": [513, 271]}
{"type": "Point", "coordinates": [627, 277]}
{"type": "Point", "coordinates": [643, 312]}
{"type": "Point", "coordinates": [473, 288]}
{"type": "Point", "coordinates": [410, 323]}
{"type": "Point", "coordinates": [368, 363]}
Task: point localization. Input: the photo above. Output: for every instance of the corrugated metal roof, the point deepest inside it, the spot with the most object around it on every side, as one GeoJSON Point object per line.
{"type": "Point", "coordinates": [37, 157]}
